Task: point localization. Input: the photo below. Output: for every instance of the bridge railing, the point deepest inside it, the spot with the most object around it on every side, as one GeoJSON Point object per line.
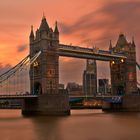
{"type": "Point", "coordinates": [90, 50]}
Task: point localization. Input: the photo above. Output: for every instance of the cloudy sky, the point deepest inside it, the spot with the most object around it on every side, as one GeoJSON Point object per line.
{"type": "Point", "coordinates": [81, 22]}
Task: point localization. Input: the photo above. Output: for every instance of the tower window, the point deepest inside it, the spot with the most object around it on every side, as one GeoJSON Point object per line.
{"type": "Point", "coordinates": [51, 84]}
{"type": "Point", "coordinates": [51, 72]}
{"type": "Point", "coordinates": [131, 76]}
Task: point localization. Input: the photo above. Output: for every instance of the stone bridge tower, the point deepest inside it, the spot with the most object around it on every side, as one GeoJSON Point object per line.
{"type": "Point", "coordinates": [123, 72]}
{"type": "Point", "coordinates": [44, 74]}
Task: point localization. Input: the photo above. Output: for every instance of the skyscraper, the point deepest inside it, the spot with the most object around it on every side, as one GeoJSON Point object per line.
{"type": "Point", "coordinates": [90, 78]}
{"type": "Point", "coordinates": [103, 86]}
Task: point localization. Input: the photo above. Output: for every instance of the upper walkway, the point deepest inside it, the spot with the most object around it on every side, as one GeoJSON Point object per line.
{"type": "Point", "coordinates": [88, 53]}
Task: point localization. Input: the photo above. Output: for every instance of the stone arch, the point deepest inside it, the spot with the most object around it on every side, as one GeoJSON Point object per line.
{"type": "Point", "coordinates": [120, 90]}
{"type": "Point", "coordinates": [37, 88]}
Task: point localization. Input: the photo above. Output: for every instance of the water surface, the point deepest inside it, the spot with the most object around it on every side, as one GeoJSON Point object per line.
{"type": "Point", "coordinates": [81, 125]}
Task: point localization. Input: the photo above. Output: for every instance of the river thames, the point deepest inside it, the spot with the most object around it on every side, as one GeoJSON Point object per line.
{"type": "Point", "coordinates": [81, 125]}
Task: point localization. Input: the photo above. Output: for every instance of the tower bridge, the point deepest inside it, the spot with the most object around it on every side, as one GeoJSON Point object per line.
{"type": "Point", "coordinates": [42, 63]}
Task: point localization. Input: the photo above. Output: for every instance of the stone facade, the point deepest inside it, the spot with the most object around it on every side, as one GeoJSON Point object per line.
{"type": "Point", "coordinates": [123, 71]}
{"type": "Point", "coordinates": [131, 103]}
{"type": "Point", "coordinates": [44, 74]}
{"type": "Point", "coordinates": [47, 104]}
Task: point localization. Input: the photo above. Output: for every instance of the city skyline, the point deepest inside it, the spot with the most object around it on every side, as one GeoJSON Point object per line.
{"type": "Point", "coordinates": [96, 23]}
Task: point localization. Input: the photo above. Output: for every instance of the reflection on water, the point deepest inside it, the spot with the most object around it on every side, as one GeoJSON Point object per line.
{"type": "Point", "coordinates": [81, 125]}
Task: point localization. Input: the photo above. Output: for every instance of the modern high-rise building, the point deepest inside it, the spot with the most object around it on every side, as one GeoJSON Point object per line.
{"type": "Point", "coordinates": [104, 86]}
{"type": "Point", "coordinates": [90, 78]}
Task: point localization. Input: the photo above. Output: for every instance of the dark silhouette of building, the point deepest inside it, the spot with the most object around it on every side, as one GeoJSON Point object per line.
{"type": "Point", "coordinates": [61, 86]}
{"type": "Point", "coordinates": [74, 88]}
{"type": "Point", "coordinates": [90, 78]}
{"type": "Point", "coordinates": [104, 86]}
{"type": "Point", "coordinates": [123, 72]}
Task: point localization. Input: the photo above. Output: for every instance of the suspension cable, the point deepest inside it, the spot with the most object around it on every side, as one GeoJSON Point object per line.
{"type": "Point", "coordinates": [15, 74]}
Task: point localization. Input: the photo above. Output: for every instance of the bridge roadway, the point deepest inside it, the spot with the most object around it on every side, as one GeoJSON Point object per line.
{"type": "Point", "coordinates": [106, 98]}
{"type": "Point", "coordinates": [88, 53]}
{"type": "Point", "coordinates": [24, 96]}
{"type": "Point", "coordinates": [111, 99]}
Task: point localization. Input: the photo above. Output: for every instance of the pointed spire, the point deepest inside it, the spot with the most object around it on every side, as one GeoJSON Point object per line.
{"type": "Point", "coordinates": [44, 25]}
{"type": "Point", "coordinates": [43, 16]}
{"type": "Point", "coordinates": [133, 41]}
{"type": "Point", "coordinates": [121, 40]}
{"type": "Point", "coordinates": [110, 45]}
{"type": "Point", "coordinates": [56, 28]}
{"type": "Point", "coordinates": [32, 32]}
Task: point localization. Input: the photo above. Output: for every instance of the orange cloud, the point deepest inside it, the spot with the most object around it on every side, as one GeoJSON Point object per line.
{"type": "Point", "coordinates": [79, 21]}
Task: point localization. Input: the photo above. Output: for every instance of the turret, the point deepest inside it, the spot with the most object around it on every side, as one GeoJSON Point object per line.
{"type": "Point", "coordinates": [133, 42]}
{"type": "Point", "coordinates": [56, 31]}
{"type": "Point", "coordinates": [121, 41]}
{"type": "Point", "coordinates": [44, 25]}
{"type": "Point", "coordinates": [44, 29]}
{"type": "Point", "coordinates": [110, 45]}
{"type": "Point", "coordinates": [56, 28]}
{"type": "Point", "coordinates": [37, 34]}
{"type": "Point", "coordinates": [31, 35]}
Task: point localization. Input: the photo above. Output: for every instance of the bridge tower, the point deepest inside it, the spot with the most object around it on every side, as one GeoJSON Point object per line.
{"type": "Point", "coordinates": [123, 72]}
{"type": "Point", "coordinates": [44, 73]}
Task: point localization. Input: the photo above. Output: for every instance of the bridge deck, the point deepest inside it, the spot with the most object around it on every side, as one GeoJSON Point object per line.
{"type": "Point", "coordinates": [111, 99]}
{"type": "Point", "coordinates": [17, 96]}
{"type": "Point", "coordinates": [88, 53]}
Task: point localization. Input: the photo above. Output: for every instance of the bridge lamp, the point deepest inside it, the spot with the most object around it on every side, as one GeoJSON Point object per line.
{"type": "Point", "coordinates": [113, 62]}
{"type": "Point", "coordinates": [122, 60]}
{"type": "Point", "coordinates": [35, 64]}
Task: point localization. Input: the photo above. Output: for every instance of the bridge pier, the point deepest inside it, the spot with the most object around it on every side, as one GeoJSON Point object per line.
{"type": "Point", "coordinates": [111, 107]}
{"type": "Point", "coordinates": [131, 103]}
{"type": "Point", "coordinates": [47, 104]}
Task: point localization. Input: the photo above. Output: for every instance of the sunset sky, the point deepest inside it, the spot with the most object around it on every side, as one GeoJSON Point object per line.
{"type": "Point", "coordinates": [81, 22]}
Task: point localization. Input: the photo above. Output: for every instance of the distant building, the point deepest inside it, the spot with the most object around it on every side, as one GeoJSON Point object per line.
{"type": "Point", "coordinates": [104, 87]}
{"type": "Point", "coordinates": [11, 104]}
{"type": "Point", "coordinates": [74, 88]}
{"type": "Point", "coordinates": [90, 78]}
{"type": "Point", "coordinates": [61, 86]}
